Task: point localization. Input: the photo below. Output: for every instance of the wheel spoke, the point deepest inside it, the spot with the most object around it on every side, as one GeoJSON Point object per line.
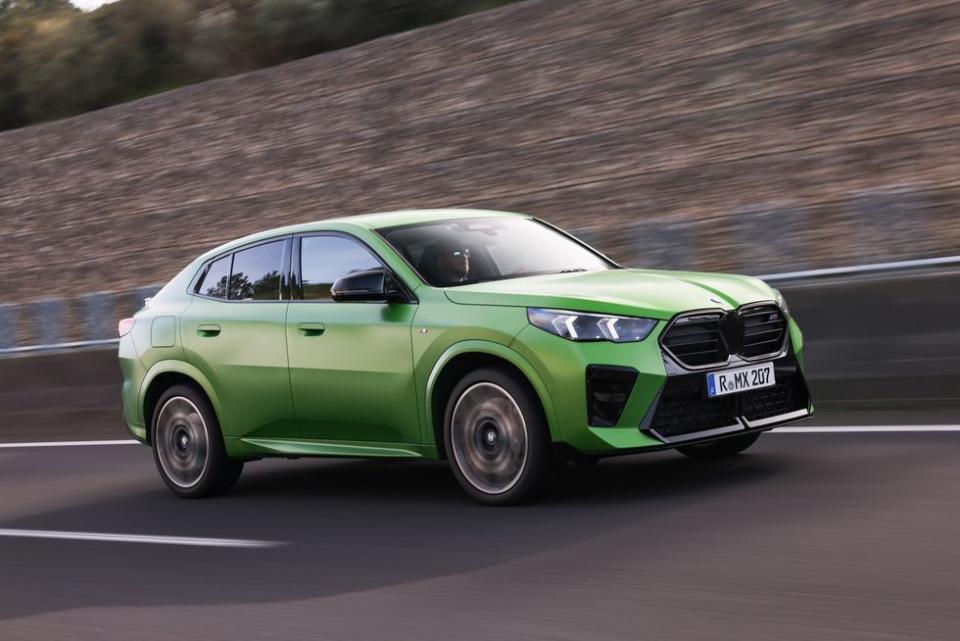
{"type": "Point", "coordinates": [181, 442]}
{"type": "Point", "coordinates": [489, 438]}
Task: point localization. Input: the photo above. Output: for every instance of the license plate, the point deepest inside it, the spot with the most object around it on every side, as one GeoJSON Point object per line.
{"type": "Point", "coordinates": [740, 379]}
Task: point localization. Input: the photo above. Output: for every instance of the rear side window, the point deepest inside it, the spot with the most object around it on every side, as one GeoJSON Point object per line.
{"type": "Point", "coordinates": [256, 273]}
{"type": "Point", "coordinates": [214, 283]}
{"type": "Point", "coordinates": [324, 259]}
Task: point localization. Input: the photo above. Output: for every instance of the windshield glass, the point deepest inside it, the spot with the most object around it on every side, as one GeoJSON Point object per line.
{"type": "Point", "coordinates": [473, 250]}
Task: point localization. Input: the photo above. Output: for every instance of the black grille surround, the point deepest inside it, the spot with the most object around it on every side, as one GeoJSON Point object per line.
{"type": "Point", "coordinates": [697, 340]}
{"type": "Point", "coordinates": [764, 330]}
{"type": "Point", "coordinates": [709, 338]}
{"type": "Point", "coordinates": [684, 411]}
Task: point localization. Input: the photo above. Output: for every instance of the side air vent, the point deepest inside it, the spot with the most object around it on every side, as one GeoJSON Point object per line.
{"type": "Point", "coordinates": [608, 388]}
{"type": "Point", "coordinates": [696, 340]}
{"type": "Point", "coordinates": [764, 331]}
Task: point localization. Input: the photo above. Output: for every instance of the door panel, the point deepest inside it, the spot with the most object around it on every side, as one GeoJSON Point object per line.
{"type": "Point", "coordinates": [237, 337]}
{"type": "Point", "coordinates": [351, 371]}
{"type": "Point", "coordinates": [351, 364]}
{"type": "Point", "coordinates": [242, 350]}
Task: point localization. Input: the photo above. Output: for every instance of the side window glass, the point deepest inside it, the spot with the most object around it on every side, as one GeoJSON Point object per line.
{"type": "Point", "coordinates": [324, 259]}
{"type": "Point", "coordinates": [214, 283]}
{"type": "Point", "coordinates": [256, 272]}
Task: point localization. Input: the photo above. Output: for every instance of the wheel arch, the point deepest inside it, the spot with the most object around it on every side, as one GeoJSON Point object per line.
{"type": "Point", "coordinates": [463, 357]}
{"type": "Point", "coordinates": [164, 375]}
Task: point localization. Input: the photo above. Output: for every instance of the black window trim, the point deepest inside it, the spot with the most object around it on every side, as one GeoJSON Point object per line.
{"type": "Point", "coordinates": [296, 284]}
{"type": "Point", "coordinates": [285, 284]}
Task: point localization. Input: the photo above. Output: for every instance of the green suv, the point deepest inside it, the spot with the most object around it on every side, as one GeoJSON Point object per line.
{"type": "Point", "coordinates": [492, 340]}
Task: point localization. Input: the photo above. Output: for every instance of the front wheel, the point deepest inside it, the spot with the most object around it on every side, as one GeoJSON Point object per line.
{"type": "Point", "coordinates": [496, 437]}
{"type": "Point", "coordinates": [719, 449]}
{"type": "Point", "coordinates": [188, 447]}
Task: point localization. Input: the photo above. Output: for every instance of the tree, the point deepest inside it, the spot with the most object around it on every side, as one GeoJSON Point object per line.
{"type": "Point", "coordinates": [293, 28]}
{"type": "Point", "coordinates": [217, 43]}
{"type": "Point", "coordinates": [60, 67]}
{"type": "Point", "coordinates": [17, 22]}
{"type": "Point", "coordinates": [57, 61]}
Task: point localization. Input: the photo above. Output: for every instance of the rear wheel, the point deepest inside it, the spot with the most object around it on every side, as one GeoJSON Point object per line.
{"type": "Point", "coordinates": [496, 438]}
{"type": "Point", "coordinates": [719, 449]}
{"type": "Point", "coordinates": [188, 446]}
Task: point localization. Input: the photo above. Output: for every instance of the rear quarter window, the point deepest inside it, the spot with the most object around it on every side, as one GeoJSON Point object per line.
{"type": "Point", "coordinates": [256, 272]}
{"type": "Point", "coordinates": [214, 282]}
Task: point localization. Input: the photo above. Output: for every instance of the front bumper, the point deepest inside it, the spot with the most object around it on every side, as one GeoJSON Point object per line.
{"type": "Point", "coordinates": [683, 412]}
{"type": "Point", "coordinates": [667, 403]}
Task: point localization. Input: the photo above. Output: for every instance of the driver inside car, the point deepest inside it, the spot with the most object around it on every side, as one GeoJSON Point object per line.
{"type": "Point", "coordinates": [448, 262]}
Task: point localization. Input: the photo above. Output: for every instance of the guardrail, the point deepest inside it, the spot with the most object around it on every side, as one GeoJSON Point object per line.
{"type": "Point", "coordinates": [66, 323]}
{"type": "Point", "coordinates": [53, 347]}
{"type": "Point", "coordinates": [783, 277]}
{"type": "Point", "coordinates": [860, 270]}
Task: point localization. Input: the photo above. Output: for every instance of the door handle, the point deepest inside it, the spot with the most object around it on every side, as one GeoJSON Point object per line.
{"type": "Point", "coordinates": [208, 329]}
{"type": "Point", "coordinates": [311, 329]}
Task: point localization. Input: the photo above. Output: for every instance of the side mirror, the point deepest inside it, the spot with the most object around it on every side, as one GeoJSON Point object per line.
{"type": "Point", "coordinates": [369, 286]}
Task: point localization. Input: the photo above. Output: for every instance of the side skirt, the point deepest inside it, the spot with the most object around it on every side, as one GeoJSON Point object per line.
{"type": "Point", "coordinates": [292, 447]}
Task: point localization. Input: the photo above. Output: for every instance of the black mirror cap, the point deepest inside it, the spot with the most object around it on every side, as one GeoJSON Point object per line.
{"type": "Point", "coordinates": [368, 286]}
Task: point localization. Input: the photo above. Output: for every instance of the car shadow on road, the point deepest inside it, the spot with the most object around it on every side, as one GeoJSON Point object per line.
{"type": "Point", "coordinates": [347, 526]}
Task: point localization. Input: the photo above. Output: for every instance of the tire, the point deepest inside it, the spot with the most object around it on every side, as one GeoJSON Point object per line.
{"type": "Point", "coordinates": [188, 446]}
{"type": "Point", "coordinates": [496, 437]}
{"type": "Point", "coordinates": [719, 449]}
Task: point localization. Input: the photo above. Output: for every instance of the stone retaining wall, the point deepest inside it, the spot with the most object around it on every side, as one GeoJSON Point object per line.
{"type": "Point", "coordinates": [734, 135]}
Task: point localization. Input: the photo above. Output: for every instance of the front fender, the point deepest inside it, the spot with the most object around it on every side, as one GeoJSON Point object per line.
{"type": "Point", "coordinates": [492, 349]}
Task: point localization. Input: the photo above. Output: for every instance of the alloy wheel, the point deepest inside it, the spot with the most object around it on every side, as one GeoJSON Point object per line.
{"type": "Point", "coordinates": [181, 441]}
{"type": "Point", "coordinates": [489, 438]}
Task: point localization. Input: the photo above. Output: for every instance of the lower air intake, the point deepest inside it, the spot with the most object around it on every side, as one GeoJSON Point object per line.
{"type": "Point", "coordinates": [608, 388]}
{"type": "Point", "coordinates": [684, 407]}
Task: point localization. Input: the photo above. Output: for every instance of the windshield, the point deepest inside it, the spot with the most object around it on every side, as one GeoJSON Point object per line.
{"type": "Point", "coordinates": [473, 250]}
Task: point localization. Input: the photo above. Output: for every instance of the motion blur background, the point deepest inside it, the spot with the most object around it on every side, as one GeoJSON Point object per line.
{"type": "Point", "coordinates": [779, 138]}
{"type": "Point", "coordinates": [759, 137]}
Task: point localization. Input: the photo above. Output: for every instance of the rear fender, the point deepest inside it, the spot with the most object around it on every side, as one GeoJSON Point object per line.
{"type": "Point", "coordinates": [177, 367]}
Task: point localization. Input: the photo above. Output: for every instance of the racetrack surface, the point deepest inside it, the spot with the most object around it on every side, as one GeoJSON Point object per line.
{"type": "Point", "coordinates": [807, 536]}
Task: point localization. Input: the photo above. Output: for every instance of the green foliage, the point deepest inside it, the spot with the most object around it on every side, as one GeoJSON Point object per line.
{"type": "Point", "coordinates": [57, 61]}
{"type": "Point", "coordinates": [17, 21]}
{"type": "Point", "coordinates": [294, 28]}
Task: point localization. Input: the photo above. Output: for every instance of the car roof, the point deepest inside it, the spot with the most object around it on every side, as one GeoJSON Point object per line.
{"type": "Point", "coordinates": [414, 216]}
{"type": "Point", "coordinates": [364, 221]}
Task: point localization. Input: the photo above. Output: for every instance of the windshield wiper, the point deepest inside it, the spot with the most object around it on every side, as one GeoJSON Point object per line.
{"type": "Point", "coordinates": [571, 271]}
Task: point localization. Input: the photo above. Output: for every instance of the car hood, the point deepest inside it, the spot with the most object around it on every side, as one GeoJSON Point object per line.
{"type": "Point", "coordinates": [631, 292]}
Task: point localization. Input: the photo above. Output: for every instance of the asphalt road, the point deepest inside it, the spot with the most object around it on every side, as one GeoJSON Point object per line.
{"type": "Point", "coordinates": [808, 536]}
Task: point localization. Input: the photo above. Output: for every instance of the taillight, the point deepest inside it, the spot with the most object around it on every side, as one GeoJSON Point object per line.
{"type": "Point", "coordinates": [124, 326]}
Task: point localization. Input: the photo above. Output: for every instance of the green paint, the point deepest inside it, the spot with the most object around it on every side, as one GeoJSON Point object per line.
{"type": "Point", "coordinates": [364, 385]}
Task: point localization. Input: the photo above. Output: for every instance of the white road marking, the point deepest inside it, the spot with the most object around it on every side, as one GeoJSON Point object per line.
{"type": "Point", "coordinates": [139, 538]}
{"type": "Point", "coordinates": [68, 443]}
{"type": "Point", "coordinates": [826, 429]}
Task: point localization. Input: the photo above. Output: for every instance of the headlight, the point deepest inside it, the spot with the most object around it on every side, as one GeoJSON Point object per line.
{"type": "Point", "coordinates": [782, 301]}
{"type": "Point", "coordinates": [576, 326]}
